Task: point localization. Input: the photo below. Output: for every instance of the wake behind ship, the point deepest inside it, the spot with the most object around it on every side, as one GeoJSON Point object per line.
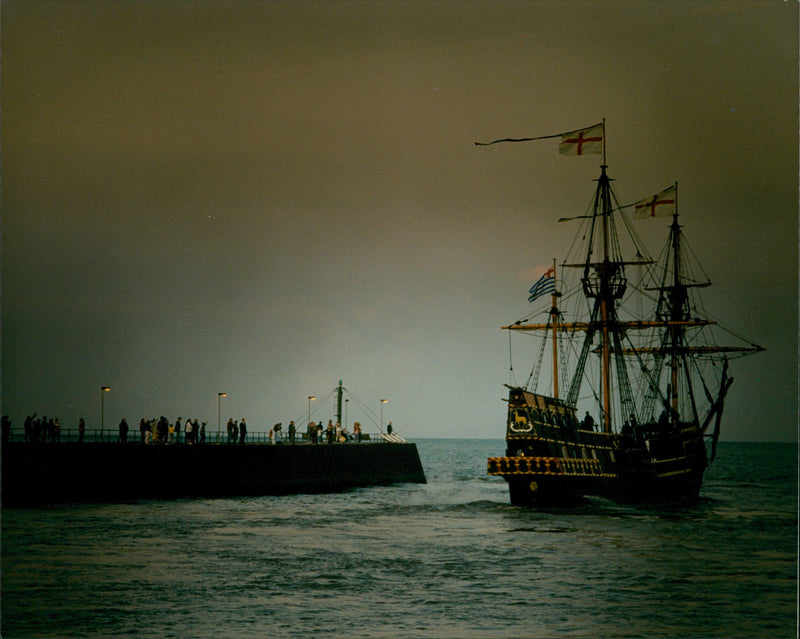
{"type": "Point", "coordinates": [630, 339]}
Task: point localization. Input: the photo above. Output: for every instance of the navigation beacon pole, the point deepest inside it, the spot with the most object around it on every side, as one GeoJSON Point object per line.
{"type": "Point", "coordinates": [339, 402]}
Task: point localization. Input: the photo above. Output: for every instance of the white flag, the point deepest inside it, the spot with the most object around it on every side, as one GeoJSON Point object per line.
{"type": "Point", "coordinates": [582, 142]}
{"type": "Point", "coordinates": [660, 205]}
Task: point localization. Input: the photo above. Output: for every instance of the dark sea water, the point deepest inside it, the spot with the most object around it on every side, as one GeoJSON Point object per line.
{"type": "Point", "coordinates": [448, 559]}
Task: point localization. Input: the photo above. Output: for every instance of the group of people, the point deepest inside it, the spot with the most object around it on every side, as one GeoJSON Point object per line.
{"type": "Point", "coordinates": [41, 430]}
{"type": "Point", "coordinates": [151, 431]}
{"type": "Point", "coordinates": [190, 431]}
{"type": "Point", "coordinates": [161, 431]}
{"type": "Point", "coordinates": [237, 431]}
{"type": "Point", "coordinates": [332, 433]}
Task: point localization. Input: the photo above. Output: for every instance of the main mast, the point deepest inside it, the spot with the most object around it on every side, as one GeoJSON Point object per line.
{"type": "Point", "coordinates": [604, 281]}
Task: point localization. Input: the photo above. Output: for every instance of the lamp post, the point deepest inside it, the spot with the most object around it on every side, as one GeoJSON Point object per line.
{"type": "Point", "coordinates": [345, 414]}
{"type": "Point", "coordinates": [383, 401]}
{"type": "Point", "coordinates": [219, 413]}
{"type": "Point", "coordinates": [311, 398]}
{"type": "Point", "coordinates": [103, 390]}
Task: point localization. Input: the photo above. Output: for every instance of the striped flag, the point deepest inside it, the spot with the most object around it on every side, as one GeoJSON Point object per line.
{"type": "Point", "coordinates": [659, 205]}
{"type": "Point", "coordinates": [545, 284]}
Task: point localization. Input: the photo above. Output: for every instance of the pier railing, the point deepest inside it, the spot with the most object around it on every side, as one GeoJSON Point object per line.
{"type": "Point", "coordinates": [96, 435]}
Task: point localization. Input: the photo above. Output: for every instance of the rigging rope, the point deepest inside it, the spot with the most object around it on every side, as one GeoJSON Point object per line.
{"type": "Point", "coordinates": [533, 378]}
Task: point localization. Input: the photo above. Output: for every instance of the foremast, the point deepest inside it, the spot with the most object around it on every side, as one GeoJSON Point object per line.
{"type": "Point", "coordinates": [682, 351]}
{"type": "Point", "coordinates": [674, 307]}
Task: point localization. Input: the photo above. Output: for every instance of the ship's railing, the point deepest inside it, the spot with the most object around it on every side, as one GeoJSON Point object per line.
{"type": "Point", "coordinates": [96, 435]}
{"type": "Point", "coordinates": [544, 466]}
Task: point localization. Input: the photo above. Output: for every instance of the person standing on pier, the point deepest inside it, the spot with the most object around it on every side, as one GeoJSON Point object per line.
{"type": "Point", "coordinates": [162, 430]}
{"type": "Point", "coordinates": [292, 431]}
{"type": "Point", "coordinates": [81, 430]}
{"type": "Point", "coordinates": [123, 432]}
{"type": "Point", "coordinates": [242, 431]}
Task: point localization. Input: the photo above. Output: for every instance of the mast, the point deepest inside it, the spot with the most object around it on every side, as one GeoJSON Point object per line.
{"type": "Point", "coordinates": [679, 349]}
{"type": "Point", "coordinates": [603, 189]}
{"type": "Point", "coordinates": [603, 281]}
{"type": "Point", "coordinates": [678, 296]}
{"type": "Point", "coordinates": [554, 322]}
{"type": "Point", "coordinates": [604, 285]}
{"type": "Point", "coordinates": [675, 296]}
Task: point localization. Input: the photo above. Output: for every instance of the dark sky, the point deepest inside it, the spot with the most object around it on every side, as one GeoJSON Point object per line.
{"type": "Point", "coordinates": [263, 198]}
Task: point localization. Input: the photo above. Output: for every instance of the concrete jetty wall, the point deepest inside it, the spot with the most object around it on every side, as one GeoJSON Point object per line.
{"type": "Point", "coordinates": [51, 473]}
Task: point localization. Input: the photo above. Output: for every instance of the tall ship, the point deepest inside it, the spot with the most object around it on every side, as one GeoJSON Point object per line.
{"type": "Point", "coordinates": [638, 372]}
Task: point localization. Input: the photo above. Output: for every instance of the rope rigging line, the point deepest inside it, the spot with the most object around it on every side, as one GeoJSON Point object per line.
{"type": "Point", "coordinates": [533, 378]}
{"type": "Point", "coordinates": [315, 408]}
{"type": "Point", "coordinates": [321, 405]}
{"type": "Point", "coordinates": [372, 415]}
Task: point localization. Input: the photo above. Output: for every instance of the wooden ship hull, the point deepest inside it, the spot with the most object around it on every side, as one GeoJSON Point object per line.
{"type": "Point", "coordinates": [551, 460]}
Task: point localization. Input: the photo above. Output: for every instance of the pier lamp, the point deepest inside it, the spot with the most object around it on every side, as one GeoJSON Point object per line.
{"type": "Point", "coordinates": [311, 398]}
{"type": "Point", "coordinates": [345, 413]}
{"type": "Point", "coordinates": [103, 391]}
{"type": "Point", "coordinates": [383, 401]}
{"type": "Point", "coordinates": [219, 413]}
